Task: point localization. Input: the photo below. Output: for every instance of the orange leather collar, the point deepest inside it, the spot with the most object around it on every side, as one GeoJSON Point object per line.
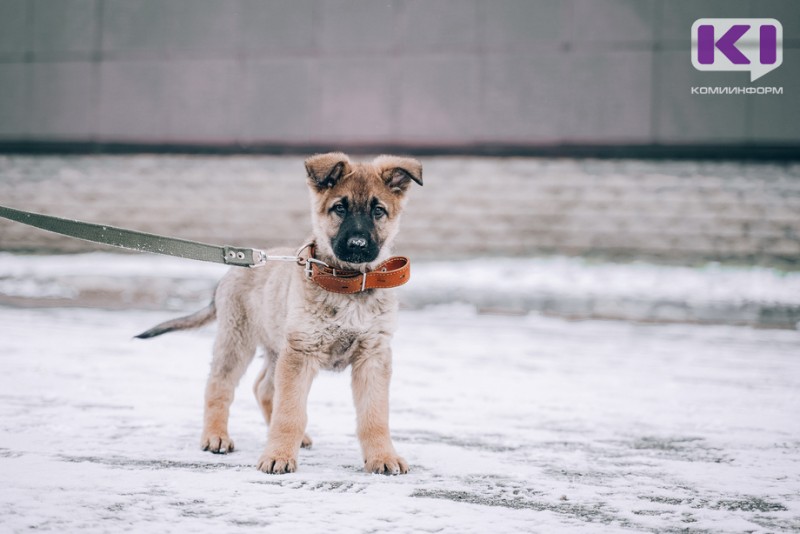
{"type": "Point", "coordinates": [393, 272]}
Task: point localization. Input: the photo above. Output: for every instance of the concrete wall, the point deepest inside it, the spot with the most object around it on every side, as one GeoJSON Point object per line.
{"type": "Point", "coordinates": [395, 72]}
{"type": "Point", "coordinates": [673, 211]}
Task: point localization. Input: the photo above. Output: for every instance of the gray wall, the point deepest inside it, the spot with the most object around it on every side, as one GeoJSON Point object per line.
{"type": "Point", "coordinates": [662, 210]}
{"type": "Point", "coordinates": [407, 72]}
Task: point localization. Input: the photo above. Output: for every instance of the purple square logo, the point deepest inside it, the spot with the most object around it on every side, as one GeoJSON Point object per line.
{"type": "Point", "coordinates": [754, 45]}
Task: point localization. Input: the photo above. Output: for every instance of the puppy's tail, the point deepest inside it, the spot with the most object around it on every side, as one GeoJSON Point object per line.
{"type": "Point", "coordinates": [195, 320]}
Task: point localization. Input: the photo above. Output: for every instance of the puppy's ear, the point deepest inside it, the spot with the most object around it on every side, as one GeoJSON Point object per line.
{"type": "Point", "coordinates": [325, 170]}
{"type": "Point", "coordinates": [398, 172]}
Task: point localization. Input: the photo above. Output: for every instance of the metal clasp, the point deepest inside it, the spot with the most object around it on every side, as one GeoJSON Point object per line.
{"type": "Point", "coordinates": [309, 269]}
{"type": "Point", "coordinates": [252, 257]}
{"type": "Point", "coordinates": [259, 258]}
{"type": "Point", "coordinates": [281, 258]}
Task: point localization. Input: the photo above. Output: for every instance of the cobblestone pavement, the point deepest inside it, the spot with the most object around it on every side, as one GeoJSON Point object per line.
{"type": "Point", "coordinates": [510, 424]}
{"type": "Point", "coordinates": [676, 211]}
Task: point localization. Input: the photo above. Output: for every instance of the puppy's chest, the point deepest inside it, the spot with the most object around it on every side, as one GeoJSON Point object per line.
{"type": "Point", "coordinates": [340, 351]}
{"type": "Point", "coordinates": [341, 332]}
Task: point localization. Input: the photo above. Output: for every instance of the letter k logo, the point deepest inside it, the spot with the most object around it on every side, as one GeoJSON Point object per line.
{"type": "Point", "coordinates": [754, 45]}
{"type": "Point", "coordinates": [726, 44]}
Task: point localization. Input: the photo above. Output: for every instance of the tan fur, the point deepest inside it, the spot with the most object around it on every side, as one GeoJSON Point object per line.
{"type": "Point", "coordinates": [304, 329]}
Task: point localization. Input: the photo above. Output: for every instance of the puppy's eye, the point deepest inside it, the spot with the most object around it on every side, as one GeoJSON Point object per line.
{"type": "Point", "coordinates": [378, 212]}
{"type": "Point", "coordinates": [339, 209]}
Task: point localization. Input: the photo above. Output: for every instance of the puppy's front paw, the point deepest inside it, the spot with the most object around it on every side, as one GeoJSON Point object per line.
{"type": "Point", "coordinates": [386, 464]}
{"type": "Point", "coordinates": [307, 442]}
{"type": "Point", "coordinates": [277, 463]}
{"type": "Point", "coordinates": [218, 443]}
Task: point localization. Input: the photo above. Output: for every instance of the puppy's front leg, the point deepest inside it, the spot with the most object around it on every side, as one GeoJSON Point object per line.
{"type": "Point", "coordinates": [372, 372]}
{"type": "Point", "coordinates": [294, 372]}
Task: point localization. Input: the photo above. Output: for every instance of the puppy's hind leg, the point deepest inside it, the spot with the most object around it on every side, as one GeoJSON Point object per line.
{"type": "Point", "coordinates": [264, 387]}
{"type": "Point", "coordinates": [264, 390]}
{"type": "Point", "coordinates": [234, 349]}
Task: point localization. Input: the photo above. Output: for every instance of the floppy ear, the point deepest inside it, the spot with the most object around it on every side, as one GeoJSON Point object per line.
{"type": "Point", "coordinates": [398, 172]}
{"type": "Point", "coordinates": [325, 170]}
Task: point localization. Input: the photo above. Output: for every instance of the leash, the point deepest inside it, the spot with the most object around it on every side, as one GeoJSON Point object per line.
{"type": "Point", "coordinates": [142, 242]}
{"type": "Point", "coordinates": [391, 273]}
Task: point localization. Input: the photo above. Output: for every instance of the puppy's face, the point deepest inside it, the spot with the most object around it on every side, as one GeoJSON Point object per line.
{"type": "Point", "coordinates": [356, 206]}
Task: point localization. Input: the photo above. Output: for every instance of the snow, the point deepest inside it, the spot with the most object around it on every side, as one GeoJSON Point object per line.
{"type": "Point", "coordinates": [578, 277]}
{"type": "Point", "coordinates": [561, 286]}
{"type": "Point", "coordinates": [555, 275]}
{"type": "Point", "coordinates": [510, 424]}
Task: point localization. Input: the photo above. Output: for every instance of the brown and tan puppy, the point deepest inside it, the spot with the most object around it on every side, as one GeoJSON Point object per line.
{"type": "Point", "coordinates": [355, 215]}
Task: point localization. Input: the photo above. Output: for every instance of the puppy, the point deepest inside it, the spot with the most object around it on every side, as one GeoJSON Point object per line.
{"type": "Point", "coordinates": [304, 327]}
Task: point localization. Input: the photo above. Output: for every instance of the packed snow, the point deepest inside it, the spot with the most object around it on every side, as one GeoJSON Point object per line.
{"type": "Point", "coordinates": [560, 286]}
{"type": "Point", "coordinates": [510, 424]}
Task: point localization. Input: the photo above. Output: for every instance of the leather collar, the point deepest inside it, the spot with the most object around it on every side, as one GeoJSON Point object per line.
{"type": "Point", "coordinates": [393, 272]}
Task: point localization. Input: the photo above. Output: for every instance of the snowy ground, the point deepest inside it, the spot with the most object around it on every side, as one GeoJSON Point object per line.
{"type": "Point", "coordinates": [574, 288]}
{"type": "Point", "coordinates": [510, 424]}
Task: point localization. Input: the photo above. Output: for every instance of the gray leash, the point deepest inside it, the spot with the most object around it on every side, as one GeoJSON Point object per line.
{"type": "Point", "coordinates": [143, 242]}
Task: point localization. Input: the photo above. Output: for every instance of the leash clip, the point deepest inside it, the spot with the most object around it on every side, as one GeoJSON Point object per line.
{"type": "Point", "coordinates": [267, 258]}
{"type": "Point", "coordinates": [259, 258]}
{"type": "Point", "coordinates": [252, 257]}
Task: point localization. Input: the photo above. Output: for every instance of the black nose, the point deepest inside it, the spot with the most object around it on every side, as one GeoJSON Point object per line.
{"type": "Point", "coordinates": [356, 243]}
